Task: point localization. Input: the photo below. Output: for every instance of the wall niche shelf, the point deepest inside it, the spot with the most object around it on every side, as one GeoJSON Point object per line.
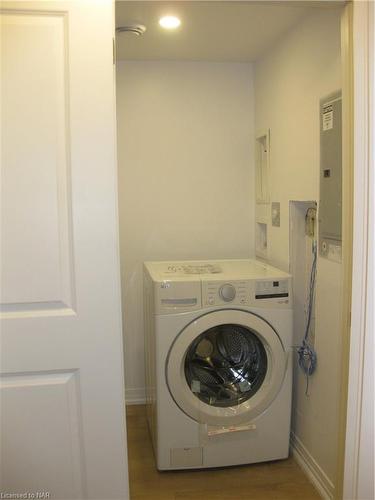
{"type": "Point", "coordinates": [262, 195]}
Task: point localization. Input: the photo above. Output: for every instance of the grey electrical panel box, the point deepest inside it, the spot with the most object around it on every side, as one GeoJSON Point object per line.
{"type": "Point", "coordinates": [330, 206]}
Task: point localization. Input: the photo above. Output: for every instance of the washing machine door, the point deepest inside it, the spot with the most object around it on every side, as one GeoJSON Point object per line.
{"type": "Point", "coordinates": [226, 367]}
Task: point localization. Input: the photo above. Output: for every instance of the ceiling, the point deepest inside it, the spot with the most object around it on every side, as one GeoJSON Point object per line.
{"type": "Point", "coordinates": [210, 31]}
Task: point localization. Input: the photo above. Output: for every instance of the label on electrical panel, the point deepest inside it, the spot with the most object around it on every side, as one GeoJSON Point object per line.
{"type": "Point", "coordinates": [327, 122]}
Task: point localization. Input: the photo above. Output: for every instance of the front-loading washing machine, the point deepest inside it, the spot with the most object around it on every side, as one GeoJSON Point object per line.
{"type": "Point", "coordinates": [218, 340]}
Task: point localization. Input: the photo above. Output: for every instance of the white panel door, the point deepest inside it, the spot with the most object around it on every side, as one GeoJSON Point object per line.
{"type": "Point", "coordinates": [62, 389]}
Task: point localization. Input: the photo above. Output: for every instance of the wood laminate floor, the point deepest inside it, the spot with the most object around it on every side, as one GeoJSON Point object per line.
{"type": "Point", "coordinates": [281, 480]}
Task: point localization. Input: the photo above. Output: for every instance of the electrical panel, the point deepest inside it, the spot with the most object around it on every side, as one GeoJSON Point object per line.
{"type": "Point", "coordinates": [330, 206]}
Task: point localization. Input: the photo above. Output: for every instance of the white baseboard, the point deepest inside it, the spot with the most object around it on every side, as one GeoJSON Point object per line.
{"type": "Point", "coordinates": [312, 469]}
{"type": "Point", "coordinates": [135, 396]}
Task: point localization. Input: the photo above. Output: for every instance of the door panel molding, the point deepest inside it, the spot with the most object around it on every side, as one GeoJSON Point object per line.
{"type": "Point", "coordinates": [46, 406]}
{"type": "Point", "coordinates": [37, 244]}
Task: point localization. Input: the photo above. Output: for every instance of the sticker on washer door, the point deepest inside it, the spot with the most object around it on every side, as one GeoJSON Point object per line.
{"type": "Point", "coordinates": [214, 431]}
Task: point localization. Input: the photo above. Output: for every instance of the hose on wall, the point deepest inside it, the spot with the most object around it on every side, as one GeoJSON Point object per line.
{"type": "Point", "coordinates": [307, 358]}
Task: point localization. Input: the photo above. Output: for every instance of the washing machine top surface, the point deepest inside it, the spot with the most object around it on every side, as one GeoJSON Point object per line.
{"type": "Point", "coordinates": [221, 270]}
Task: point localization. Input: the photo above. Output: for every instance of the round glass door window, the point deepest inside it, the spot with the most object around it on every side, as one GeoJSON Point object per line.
{"type": "Point", "coordinates": [225, 365]}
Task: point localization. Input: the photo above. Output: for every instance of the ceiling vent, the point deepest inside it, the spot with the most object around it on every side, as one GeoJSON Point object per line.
{"type": "Point", "coordinates": [137, 29]}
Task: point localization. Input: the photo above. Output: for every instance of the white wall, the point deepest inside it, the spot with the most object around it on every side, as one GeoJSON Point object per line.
{"type": "Point", "coordinates": [289, 82]}
{"type": "Point", "coordinates": [185, 134]}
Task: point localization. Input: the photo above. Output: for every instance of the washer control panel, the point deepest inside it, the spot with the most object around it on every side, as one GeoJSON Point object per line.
{"type": "Point", "coordinates": [257, 293]}
{"type": "Point", "coordinates": [217, 293]}
{"type": "Point", "coordinates": [271, 289]}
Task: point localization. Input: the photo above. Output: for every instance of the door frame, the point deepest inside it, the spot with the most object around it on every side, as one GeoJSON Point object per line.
{"type": "Point", "coordinates": [358, 53]}
{"type": "Point", "coordinates": [358, 83]}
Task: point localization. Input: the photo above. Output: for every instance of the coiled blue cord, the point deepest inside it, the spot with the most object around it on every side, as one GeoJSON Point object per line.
{"type": "Point", "coordinates": [307, 358]}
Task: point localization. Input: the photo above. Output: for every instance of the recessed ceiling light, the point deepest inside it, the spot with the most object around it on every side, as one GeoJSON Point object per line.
{"type": "Point", "coordinates": [169, 22]}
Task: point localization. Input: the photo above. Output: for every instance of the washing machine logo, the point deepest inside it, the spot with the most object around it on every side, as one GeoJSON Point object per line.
{"type": "Point", "coordinates": [165, 284]}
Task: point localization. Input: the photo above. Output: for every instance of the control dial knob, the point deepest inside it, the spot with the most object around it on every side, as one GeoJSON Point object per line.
{"type": "Point", "coordinates": [227, 292]}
